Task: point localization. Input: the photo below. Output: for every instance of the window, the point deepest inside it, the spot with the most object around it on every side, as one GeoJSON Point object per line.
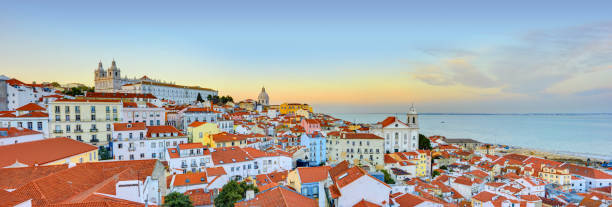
{"type": "Point", "coordinates": [131, 157]}
{"type": "Point", "coordinates": [152, 144]}
{"type": "Point", "coordinates": [153, 155]}
{"type": "Point", "coordinates": [120, 146]}
{"type": "Point", "coordinates": [57, 108]}
{"type": "Point", "coordinates": [57, 117]}
{"type": "Point", "coordinates": [67, 109]}
{"type": "Point", "coordinates": [107, 109]}
{"type": "Point", "coordinates": [39, 125]}
{"type": "Point", "coordinates": [141, 155]}
{"type": "Point", "coordinates": [29, 125]}
{"type": "Point", "coordinates": [77, 109]}
{"type": "Point", "coordinates": [93, 117]}
{"type": "Point", "coordinates": [67, 128]}
{"type": "Point", "coordinates": [93, 109]}
{"type": "Point", "coordinates": [77, 117]}
{"type": "Point", "coordinates": [67, 117]}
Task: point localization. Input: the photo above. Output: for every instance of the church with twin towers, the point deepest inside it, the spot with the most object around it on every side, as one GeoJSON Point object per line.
{"type": "Point", "coordinates": [109, 80]}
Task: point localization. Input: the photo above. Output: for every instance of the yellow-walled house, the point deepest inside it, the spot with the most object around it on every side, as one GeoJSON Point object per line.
{"type": "Point", "coordinates": [293, 180]}
{"type": "Point", "coordinates": [225, 139]}
{"type": "Point", "coordinates": [559, 176]}
{"type": "Point", "coordinates": [303, 113]}
{"type": "Point", "coordinates": [291, 108]}
{"type": "Point", "coordinates": [200, 132]}
{"type": "Point", "coordinates": [52, 151]}
{"type": "Point", "coordinates": [424, 163]}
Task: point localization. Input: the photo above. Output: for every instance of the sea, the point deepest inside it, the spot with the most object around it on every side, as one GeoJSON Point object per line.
{"type": "Point", "coordinates": [587, 135]}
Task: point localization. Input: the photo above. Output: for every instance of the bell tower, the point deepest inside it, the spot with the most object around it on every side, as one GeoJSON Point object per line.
{"type": "Point", "coordinates": [413, 117]}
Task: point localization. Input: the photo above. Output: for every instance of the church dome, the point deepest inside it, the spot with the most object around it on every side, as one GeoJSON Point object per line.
{"type": "Point", "coordinates": [263, 96]}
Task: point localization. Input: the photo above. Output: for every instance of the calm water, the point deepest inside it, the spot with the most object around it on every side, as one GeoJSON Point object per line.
{"type": "Point", "coordinates": [584, 134]}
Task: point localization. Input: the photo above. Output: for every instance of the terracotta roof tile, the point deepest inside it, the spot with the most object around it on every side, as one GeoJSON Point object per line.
{"type": "Point", "coordinates": [278, 196]}
{"type": "Point", "coordinates": [42, 151]}
{"type": "Point", "coordinates": [129, 126]}
{"type": "Point", "coordinates": [15, 132]}
{"type": "Point", "coordinates": [313, 174]}
{"type": "Point", "coordinates": [31, 107]}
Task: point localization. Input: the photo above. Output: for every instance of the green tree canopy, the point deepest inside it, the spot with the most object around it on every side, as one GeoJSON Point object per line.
{"type": "Point", "coordinates": [176, 199]}
{"type": "Point", "coordinates": [388, 178]}
{"type": "Point", "coordinates": [424, 142]}
{"type": "Point", "coordinates": [199, 98]}
{"type": "Point", "coordinates": [233, 192]}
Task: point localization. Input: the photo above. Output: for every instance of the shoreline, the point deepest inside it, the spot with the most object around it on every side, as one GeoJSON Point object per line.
{"type": "Point", "coordinates": [559, 156]}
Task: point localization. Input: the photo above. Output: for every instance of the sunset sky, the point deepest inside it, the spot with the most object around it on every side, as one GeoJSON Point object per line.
{"type": "Point", "coordinates": [340, 56]}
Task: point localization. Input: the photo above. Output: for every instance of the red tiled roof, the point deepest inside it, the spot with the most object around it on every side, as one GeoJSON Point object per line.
{"type": "Point", "coordinates": [215, 171]}
{"type": "Point", "coordinates": [200, 198]}
{"type": "Point", "coordinates": [279, 196]}
{"type": "Point", "coordinates": [88, 100]}
{"type": "Point", "coordinates": [79, 183]}
{"type": "Point", "coordinates": [129, 126]}
{"type": "Point", "coordinates": [360, 136]}
{"type": "Point", "coordinates": [34, 114]}
{"type": "Point", "coordinates": [313, 174]}
{"type": "Point", "coordinates": [224, 155]}
{"type": "Point", "coordinates": [189, 179]}
{"type": "Point", "coordinates": [119, 95]}
{"type": "Point", "coordinates": [30, 107]}
{"type": "Point", "coordinates": [13, 178]}
{"type": "Point", "coordinates": [196, 124]}
{"type": "Point", "coordinates": [364, 203]}
{"type": "Point", "coordinates": [42, 151]}
{"type": "Point", "coordinates": [484, 196]}
{"type": "Point", "coordinates": [162, 129]}
{"type": "Point", "coordinates": [15, 132]}
{"type": "Point", "coordinates": [190, 146]}
{"type": "Point", "coordinates": [409, 200]}
{"type": "Point", "coordinates": [227, 137]}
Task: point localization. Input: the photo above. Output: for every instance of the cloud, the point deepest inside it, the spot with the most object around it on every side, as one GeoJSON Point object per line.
{"type": "Point", "coordinates": [454, 71]}
{"type": "Point", "coordinates": [537, 61]}
{"type": "Point", "coordinates": [595, 91]}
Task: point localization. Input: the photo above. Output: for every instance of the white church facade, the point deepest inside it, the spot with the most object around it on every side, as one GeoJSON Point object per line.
{"type": "Point", "coordinates": [110, 81]}
{"type": "Point", "coordinates": [399, 136]}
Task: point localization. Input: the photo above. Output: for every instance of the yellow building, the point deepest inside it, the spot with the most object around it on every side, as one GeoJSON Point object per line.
{"type": "Point", "coordinates": [201, 132]}
{"type": "Point", "coordinates": [361, 149]}
{"type": "Point", "coordinates": [302, 113]}
{"type": "Point", "coordinates": [559, 176]}
{"type": "Point", "coordinates": [423, 166]}
{"type": "Point", "coordinates": [291, 108]}
{"type": "Point", "coordinates": [84, 120]}
{"type": "Point", "coordinates": [52, 151]}
{"type": "Point", "coordinates": [225, 139]}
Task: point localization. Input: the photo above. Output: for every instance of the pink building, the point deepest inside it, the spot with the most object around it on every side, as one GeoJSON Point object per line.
{"type": "Point", "coordinates": [311, 125]}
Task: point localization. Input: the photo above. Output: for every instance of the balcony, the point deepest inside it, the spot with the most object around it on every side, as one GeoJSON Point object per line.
{"type": "Point", "coordinates": [202, 164]}
{"type": "Point", "coordinates": [95, 140]}
{"type": "Point", "coordinates": [193, 164]}
{"type": "Point", "coordinates": [132, 148]}
{"type": "Point", "coordinates": [78, 131]}
{"type": "Point", "coordinates": [58, 131]}
{"type": "Point", "coordinates": [93, 130]}
{"type": "Point", "coordinates": [184, 165]}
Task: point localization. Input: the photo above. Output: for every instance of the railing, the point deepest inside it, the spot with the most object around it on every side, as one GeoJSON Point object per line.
{"type": "Point", "coordinates": [78, 131]}
{"type": "Point", "coordinates": [95, 140]}
{"type": "Point", "coordinates": [184, 165]}
{"type": "Point", "coordinates": [193, 164]}
{"type": "Point", "coordinates": [58, 131]}
{"type": "Point", "coordinates": [93, 130]}
{"type": "Point", "coordinates": [202, 164]}
{"type": "Point", "coordinates": [132, 148]}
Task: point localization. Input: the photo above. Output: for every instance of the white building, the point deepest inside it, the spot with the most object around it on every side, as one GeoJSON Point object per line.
{"type": "Point", "coordinates": [84, 120]}
{"type": "Point", "coordinates": [20, 93]}
{"type": "Point", "coordinates": [110, 80]}
{"type": "Point", "coordinates": [189, 157]}
{"type": "Point", "coordinates": [30, 116]}
{"type": "Point", "coordinates": [203, 114]}
{"type": "Point", "coordinates": [352, 185]}
{"type": "Point", "coordinates": [399, 136]}
{"type": "Point", "coordinates": [209, 179]}
{"type": "Point", "coordinates": [134, 112]}
{"type": "Point", "coordinates": [13, 135]}
{"type": "Point", "coordinates": [240, 163]}
{"type": "Point", "coordinates": [135, 141]}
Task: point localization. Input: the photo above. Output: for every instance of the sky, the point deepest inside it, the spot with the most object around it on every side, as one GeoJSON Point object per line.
{"type": "Point", "coordinates": [339, 56]}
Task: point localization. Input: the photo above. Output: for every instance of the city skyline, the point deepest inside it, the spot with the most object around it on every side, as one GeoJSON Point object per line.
{"type": "Point", "coordinates": [339, 57]}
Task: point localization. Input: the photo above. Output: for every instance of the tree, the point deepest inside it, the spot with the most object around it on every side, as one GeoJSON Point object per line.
{"type": "Point", "coordinates": [55, 84]}
{"type": "Point", "coordinates": [435, 173]}
{"type": "Point", "coordinates": [388, 178]}
{"type": "Point", "coordinates": [424, 142]}
{"type": "Point", "coordinates": [104, 153]}
{"type": "Point", "coordinates": [443, 167]}
{"type": "Point", "coordinates": [199, 98]}
{"type": "Point", "coordinates": [176, 199]}
{"type": "Point", "coordinates": [233, 192]}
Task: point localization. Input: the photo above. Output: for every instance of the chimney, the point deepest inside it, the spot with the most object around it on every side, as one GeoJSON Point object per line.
{"type": "Point", "coordinates": [250, 194]}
